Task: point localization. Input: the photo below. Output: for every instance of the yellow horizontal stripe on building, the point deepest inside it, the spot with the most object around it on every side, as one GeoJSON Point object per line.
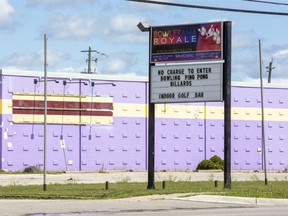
{"type": "Point", "coordinates": [97, 99]}
{"type": "Point", "coordinates": [6, 106]}
{"type": "Point", "coordinates": [179, 111]}
{"type": "Point", "coordinates": [182, 111]}
{"type": "Point", "coordinates": [56, 119]}
{"type": "Point", "coordinates": [129, 110]}
{"type": "Point", "coordinates": [1, 105]}
{"type": "Point", "coordinates": [55, 97]}
{"type": "Point", "coordinates": [271, 114]}
{"type": "Point", "coordinates": [72, 98]}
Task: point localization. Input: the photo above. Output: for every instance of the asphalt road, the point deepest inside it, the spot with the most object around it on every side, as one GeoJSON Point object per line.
{"type": "Point", "coordinates": [133, 207]}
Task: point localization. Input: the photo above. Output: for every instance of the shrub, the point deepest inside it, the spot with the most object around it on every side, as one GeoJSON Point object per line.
{"type": "Point", "coordinates": [206, 165]}
{"type": "Point", "coordinates": [214, 162]}
{"type": "Point", "coordinates": [32, 169]}
{"type": "Point", "coordinates": [219, 163]}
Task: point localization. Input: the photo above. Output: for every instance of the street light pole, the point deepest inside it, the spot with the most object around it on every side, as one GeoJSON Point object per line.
{"type": "Point", "coordinates": [45, 109]}
{"type": "Point", "coordinates": [263, 121]}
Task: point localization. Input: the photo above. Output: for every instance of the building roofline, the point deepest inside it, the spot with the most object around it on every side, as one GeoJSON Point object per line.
{"type": "Point", "coordinates": [72, 75]}
{"type": "Point", "coordinates": [127, 77]}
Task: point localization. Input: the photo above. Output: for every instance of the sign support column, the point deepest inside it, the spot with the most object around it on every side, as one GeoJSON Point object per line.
{"type": "Point", "coordinates": [151, 128]}
{"type": "Point", "coordinates": [227, 102]}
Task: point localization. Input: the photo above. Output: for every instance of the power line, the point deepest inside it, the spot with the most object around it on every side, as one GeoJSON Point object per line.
{"type": "Point", "coordinates": [210, 8]}
{"type": "Point", "coordinates": [267, 2]}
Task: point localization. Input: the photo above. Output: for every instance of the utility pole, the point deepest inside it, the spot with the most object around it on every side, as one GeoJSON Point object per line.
{"type": "Point", "coordinates": [269, 70]}
{"type": "Point", "coordinates": [89, 71]}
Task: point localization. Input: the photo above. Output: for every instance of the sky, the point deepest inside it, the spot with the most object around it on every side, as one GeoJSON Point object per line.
{"type": "Point", "coordinates": [110, 28]}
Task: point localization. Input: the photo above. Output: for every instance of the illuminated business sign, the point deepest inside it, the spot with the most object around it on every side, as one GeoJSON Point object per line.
{"type": "Point", "coordinates": [184, 43]}
{"type": "Point", "coordinates": [186, 83]}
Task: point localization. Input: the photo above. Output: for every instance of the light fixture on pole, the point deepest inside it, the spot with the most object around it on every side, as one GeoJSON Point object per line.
{"type": "Point", "coordinates": [36, 81]}
{"type": "Point", "coordinates": [65, 82]}
{"type": "Point", "coordinates": [93, 84]}
{"type": "Point", "coordinates": [144, 27]}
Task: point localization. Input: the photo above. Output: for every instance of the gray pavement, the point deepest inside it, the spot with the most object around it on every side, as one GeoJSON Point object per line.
{"type": "Point", "coordinates": [168, 205]}
{"type": "Point", "coordinates": [152, 205]}
{"type": "Point", "coordinates": [125, 176]}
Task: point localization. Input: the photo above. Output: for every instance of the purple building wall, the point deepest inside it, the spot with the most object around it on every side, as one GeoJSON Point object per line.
{"type": "Point", "coordinates": [180, 143]}
{"type": "Point", "coordinates": [121, 146]}
{"type": "Point", "coordinates": [1, 120]}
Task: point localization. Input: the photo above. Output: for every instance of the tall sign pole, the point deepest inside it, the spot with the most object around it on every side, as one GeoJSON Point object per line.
{"type": "Point", "coordinates": [151, 128]}
{"type": "Point", "coordinates": [227, 32]}
{"type": "Point", "coordinates": [144, 27]}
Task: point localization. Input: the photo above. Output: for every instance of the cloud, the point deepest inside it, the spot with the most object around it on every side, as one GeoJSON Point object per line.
{"type": "Point", "coordinates": [120, 28]}
{"type": "Point", "coordinates": [280, 62]}
{"type": "Point", "coordinates": [23, 60]}
{"type": "Point", "coordinates": [6, 14]}
{"type": "Point", "coordinates": [124, 23]}
{"type": "Point", "coordinates": [246, 64]}
{"type": "Point", "coordinates": [123, 27]}
{"type": "Point", "coordinates": [57, 3]}
{"type": "Point", "coordinates": [282, 53]}
{"type": "Point", "coordinates": [244, 39]}
{"type": "Point", "coordinates": [56, 57]}
{"type": "Point", "coordinates": [66, 26]}
{"type": "Point", "coordinates": [69, 70]}
{"type": "Point", "coordinates": [119, 63]}
{"type": "Point", "coordinates": [279, 54]}
{"type": "Point", "coordinates": [245, 56]}
{"type": "Point", "coordinates": [34, 59]}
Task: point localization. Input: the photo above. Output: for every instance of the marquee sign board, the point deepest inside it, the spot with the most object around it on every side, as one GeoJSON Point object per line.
{"type": "Point", "coordinates": [190, 42]}
{"type": "Point", "coordinates": [186, 83]}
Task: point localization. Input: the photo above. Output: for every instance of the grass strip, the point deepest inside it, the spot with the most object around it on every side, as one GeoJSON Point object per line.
{"type": "Point", "coordinates": [276, 189]}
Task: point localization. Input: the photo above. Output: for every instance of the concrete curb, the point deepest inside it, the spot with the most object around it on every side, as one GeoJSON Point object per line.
{"type": "Point", "coordinates": [236, 200]}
